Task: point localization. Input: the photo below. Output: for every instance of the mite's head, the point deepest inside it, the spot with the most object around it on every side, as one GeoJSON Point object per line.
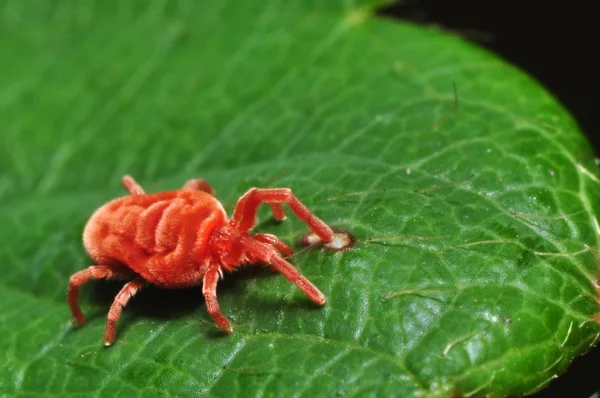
{"type": "Point", "coordinates": [225, 247]}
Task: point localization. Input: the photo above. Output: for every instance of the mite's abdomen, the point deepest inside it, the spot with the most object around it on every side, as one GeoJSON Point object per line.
{"type": "Point", "coordinates": [162, 237]}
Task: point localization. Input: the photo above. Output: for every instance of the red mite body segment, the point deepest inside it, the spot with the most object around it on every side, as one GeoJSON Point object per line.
{"type": "Point", "coordinates": [161, 237]}
{"type": "Point", "coordinates": [183, 238]}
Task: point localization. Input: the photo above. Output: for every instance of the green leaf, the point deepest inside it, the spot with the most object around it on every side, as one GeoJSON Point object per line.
{"type": "Point", "coordinates": [476, 211]}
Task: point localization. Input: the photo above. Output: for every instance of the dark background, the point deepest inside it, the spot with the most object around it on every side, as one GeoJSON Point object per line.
{"type": "Point", "coordinates": [557, 43]}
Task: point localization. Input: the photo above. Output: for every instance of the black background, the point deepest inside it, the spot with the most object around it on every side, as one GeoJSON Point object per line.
{"type": "Point", "coordinates": [559, 45]}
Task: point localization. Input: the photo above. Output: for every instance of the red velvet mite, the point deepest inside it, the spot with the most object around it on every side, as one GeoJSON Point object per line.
{"type": "Point", "coordinates": [182, 238]}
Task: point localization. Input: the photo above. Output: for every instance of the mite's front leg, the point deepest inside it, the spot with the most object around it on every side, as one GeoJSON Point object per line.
{"type": "Point", "coordinates": [244, 215]}
{"type": "Point", "coordinates": [269, 256]}
{"type": "Point", "coordinates": [209, 289]}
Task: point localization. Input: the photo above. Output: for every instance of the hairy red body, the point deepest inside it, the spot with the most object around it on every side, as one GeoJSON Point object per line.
{"type": "Point", "coordinates": [162, 237]}
{"type": "Point", "coordinates": [184, 238]}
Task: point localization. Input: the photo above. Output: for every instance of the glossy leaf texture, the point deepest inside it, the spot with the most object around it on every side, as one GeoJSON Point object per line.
{"type": "Point", "coordinates": [470, 190]}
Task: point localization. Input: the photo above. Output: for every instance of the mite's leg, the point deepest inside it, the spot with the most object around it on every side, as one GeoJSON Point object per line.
{"type": "Point", "coordinates": [198, 184]}
{"type": "Point", "coordinates": [81, 277]}
{"type": "Point", "coordinates": [278, 212]}
{"type": "Point", "coordinates": [116, 308]}
{"type": "Point", "coordinates": [132, 186]}
{"type": "Point", "coordinates": [272, 257]}
{"type": "Point", "coordinates": [209, 290]}
{"type": "Point", "coordinates": [274, 241]}
{"type": "Point", "coordinates": [245, 210]}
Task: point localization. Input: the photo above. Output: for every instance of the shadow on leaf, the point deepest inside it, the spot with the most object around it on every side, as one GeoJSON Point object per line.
{"type": "Point", "coordinates": [160, 303]}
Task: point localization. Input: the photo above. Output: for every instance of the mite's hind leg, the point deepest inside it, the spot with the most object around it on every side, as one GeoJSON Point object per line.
{"type": "Point", "coordinates": [132, 186]}
{"type": "Point", "coordinates": [198, 184]}
{"type": "Point", "coordinates": [81, 277]}
{"type": "Point", "coordinates": [117, 307]}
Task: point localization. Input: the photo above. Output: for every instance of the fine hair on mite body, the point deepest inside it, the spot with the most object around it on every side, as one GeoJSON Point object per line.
{"type": "Point", "coordinates": [182, 238]}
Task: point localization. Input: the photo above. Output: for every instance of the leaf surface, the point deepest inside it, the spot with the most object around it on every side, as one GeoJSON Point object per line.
{"type": "Point", "coordinates": [472, 194]}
